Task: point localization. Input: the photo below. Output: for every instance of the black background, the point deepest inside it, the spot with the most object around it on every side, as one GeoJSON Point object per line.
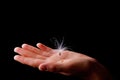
{"type": "Point", "coordinates": [93, 34]}
{"type": "Point", "coordinates": [98, 44]}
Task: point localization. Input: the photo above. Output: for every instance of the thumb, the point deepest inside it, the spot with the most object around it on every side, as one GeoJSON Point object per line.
{"type": "Point", "coordinates": [50, 67]}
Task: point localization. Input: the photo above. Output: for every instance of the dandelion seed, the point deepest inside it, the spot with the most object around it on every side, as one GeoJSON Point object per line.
{"type": "Point", "coordinates": [59, 53]}
{"type": "Point", "coordinates": [60, 46]}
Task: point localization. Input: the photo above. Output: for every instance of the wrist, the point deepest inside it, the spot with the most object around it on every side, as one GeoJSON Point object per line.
{"type": "Point", "coordinates": [97, 72]}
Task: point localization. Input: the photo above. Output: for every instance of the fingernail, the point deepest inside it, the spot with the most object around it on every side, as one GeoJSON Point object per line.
{"type": "Point", "coordinates": [16, 57]}
{"type": "Point", "coordinates": [16, 49]}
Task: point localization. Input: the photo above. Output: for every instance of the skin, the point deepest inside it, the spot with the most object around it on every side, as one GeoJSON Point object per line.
{"type": "Point", "coordinates": [65, 62]}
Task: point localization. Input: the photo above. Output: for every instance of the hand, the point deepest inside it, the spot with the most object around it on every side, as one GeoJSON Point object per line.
{"type": "Point", "coordinates": [47, 59]}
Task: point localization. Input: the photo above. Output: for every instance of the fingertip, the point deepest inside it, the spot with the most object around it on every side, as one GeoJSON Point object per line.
{"type": "Point", "coordinates": [24, 45]}
{"type": "Point", "coordinates": [16, 57]}
{"type": "Point", "coordinates": [38, 44]}
{"type": "Point", "coordinates": [39, 67]}
{"type": "Point", "coordinates": [16, 49]}
{"type": "Point", "coordinates": [42, 67]}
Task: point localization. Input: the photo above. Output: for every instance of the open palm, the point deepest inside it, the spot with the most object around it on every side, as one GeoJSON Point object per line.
{"type": "Point", "coordinates": [47, 59]}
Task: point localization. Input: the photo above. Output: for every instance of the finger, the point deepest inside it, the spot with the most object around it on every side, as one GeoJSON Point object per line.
{"type": "Point", "coordinates": [43, 47]}
{"type": "Point", "coordinates": [27, 53]}
{"type": "Point", "coordinates": [28, 61]}
{"type": "Point", "coordinates": [47, 51]}
{"type": "Point", "coordinates": [31, 48]}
